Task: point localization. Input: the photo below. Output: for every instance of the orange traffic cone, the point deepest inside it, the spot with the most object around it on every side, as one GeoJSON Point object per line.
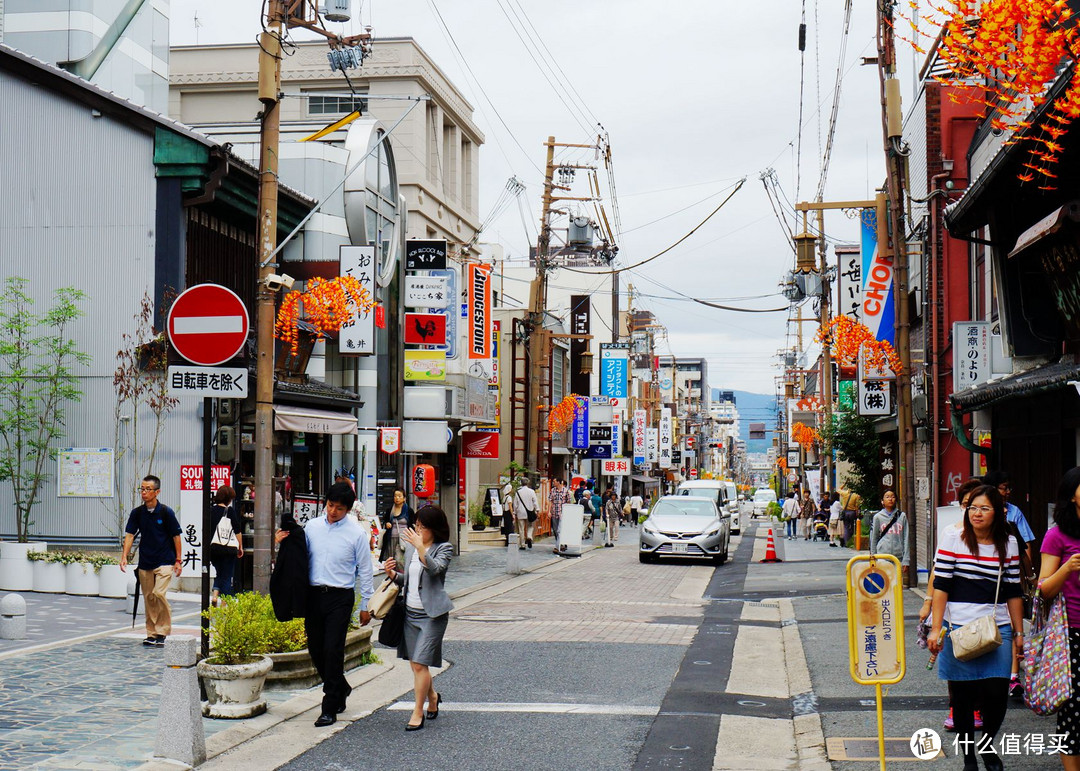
{"type": "Point", "coordinates": [770, 550]}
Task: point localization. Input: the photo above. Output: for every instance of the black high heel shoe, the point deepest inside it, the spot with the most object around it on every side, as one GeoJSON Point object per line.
{"type": "Point", "coordinates": [433, 714]}
{"type": "Point", "coordinates": [411, 727]}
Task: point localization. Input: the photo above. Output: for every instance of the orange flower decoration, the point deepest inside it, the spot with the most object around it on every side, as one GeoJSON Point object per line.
{"type": "Point", "coordinates": [562, 414]}
{"type": "Point", "coordinates": [804, 435]}
{"type": "Point", "coordinates": [327, 305]}
{"type": "Point", "coordinates": [847, 337]}
{"type": "Point", "coordinates": [781, 463]}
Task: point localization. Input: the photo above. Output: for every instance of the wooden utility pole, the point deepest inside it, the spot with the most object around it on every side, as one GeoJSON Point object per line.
{"type": "Point", "coordinates": [892, 130]}
{"type": "Point", "coordinates": [269, 90]}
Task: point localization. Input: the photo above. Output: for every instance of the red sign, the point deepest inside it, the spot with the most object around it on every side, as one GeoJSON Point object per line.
{"type": "Point", "coordinates": [479, 444]}
{"type": "Point", "coordinates": [425, 329]}
{"type": "Point", "coordinates": [479, 311]}
{"type": "Point", "coordinates": [693, 473]}
{"type": "Point", "coordinates": [191, 478]}
{"type": "Point", "coordinates": [208, 325]}
{"type": "Point", "coordinates": [423, 476]}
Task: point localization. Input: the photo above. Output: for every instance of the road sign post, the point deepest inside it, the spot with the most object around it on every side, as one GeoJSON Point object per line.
{"type": "Point", "coordinates": [875, 597]}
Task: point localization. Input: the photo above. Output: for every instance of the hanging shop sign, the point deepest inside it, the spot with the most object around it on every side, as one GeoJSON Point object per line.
{"type": "Point", "coordinates": [425, 329]}
{"type": "Point", "coordinates": [580, 323]}
{"type": "Point", "coordinates": [877, 279]}
{"type": "Point", "coordinates": [425, 365]}
{"type": "Point", "coordinates": [425, 292]}
{"type": "Point", "coordinates": [971, 353]}
{"type": "Point", "coordinates": [190, 513]}
{"type": "Point", "coordinates": [614, 370]}
{"type": "Point", "coordinates": [479, 311]}
{"type": "Point", "coordinates": [639, 437]}
{"type": "Point", "coordinates": [389, 440]}
{"type": "Point", "coordinates": [652, 445]}
{"type": "Point", "coordinates": [358, 333]}
{"type": "Point", "coordinates": [425, 254]}
{"type": "Point", "coordinates": [479, 444]}
{"type": "Point", "coordinates": [849, 283]}
{"type": "Point", "coordinates": [423, 480]}
{"type": "Point", "coordinates": [664, 438]}
{"type": "Point", "coordinates": [579, 430]}
{"type": "Point", "coordinates": [615, 467]}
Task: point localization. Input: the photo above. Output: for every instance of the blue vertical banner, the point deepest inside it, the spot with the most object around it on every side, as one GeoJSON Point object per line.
{"type": "Point", "coordinates": [615, 370]}
{"type": "Point", "coordinates": [579, 431]}
{"type": "Point", "coordinates": [450, 311]}
{"type": "Point", "coordinates": [877, 312]}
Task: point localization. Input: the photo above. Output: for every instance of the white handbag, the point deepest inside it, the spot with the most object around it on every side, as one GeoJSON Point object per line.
{"type": "Point", "coordinates": [979, 637]}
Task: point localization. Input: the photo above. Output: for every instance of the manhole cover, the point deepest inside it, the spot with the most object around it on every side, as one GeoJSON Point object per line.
{"type": "Point", "coordinates": [491, 619]}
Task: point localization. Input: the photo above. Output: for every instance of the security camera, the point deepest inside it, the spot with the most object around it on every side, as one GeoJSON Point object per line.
{"type": "Point", "coordinates": [274, 282]}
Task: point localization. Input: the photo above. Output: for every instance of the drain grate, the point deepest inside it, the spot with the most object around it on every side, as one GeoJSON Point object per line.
{"type": "Point", "coordinates": [761, 604]}
{"type": "Point", "coordinates": [896, 750]}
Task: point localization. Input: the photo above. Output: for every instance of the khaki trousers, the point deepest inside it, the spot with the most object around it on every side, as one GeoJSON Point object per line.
{"type": "Point", "coordinates": [154, 584]}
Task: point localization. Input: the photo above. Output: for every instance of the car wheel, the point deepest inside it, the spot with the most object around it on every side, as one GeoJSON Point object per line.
{"type": "Point", "coordinates": [720, 559]}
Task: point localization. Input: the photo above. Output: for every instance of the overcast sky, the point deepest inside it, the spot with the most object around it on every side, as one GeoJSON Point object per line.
{"type": "Point", "coordinates": [695, 96]}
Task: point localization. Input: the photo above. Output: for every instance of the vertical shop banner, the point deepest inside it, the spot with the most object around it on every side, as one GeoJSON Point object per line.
{"type": "Point", "coordinates": [887, 462]}
{"type": "Point", "coordinates": [849, 284]}
{"type": "Point", "coordinates": [664, 438]}
{"type": "Point", "coordinates": [579, 431]}
{"type": "Point", "coordinates": [580, 324]}
{"type": "Point", "coordinates": [449, 310]}
{"type": "Point", "coordinates": [479, 311]}
{"type": "Point", "coordinates": [425, 254]}
{"type": "Point", "coordinates": [874, 390]}
{"type": "Point", "coordinates": [358, 334]}
{"type": "Point", "coordinates": [493, 378]}
{"type": "Point", "coordinates": [971, 353]}
{"type": "Point", "coordinates": [652, 445]}
{"type": "Point", "coordinates": [877, 281]}
{"type": "Point", "coordinates": [614, 370]}
{"type": "Point", "coordinates": [189, 511]}
{"type": "Point", "coordinates": [639, 437]}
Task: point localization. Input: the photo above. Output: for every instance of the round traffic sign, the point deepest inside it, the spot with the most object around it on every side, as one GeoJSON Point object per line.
{"type": "Point", "coordinates": [693, 473]}
{"type": "Point", "coordinates": [208, 324]}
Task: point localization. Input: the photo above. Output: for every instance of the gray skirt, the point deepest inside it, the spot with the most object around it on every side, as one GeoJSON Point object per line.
{"type": "Point", "coordinates": [422, 641]}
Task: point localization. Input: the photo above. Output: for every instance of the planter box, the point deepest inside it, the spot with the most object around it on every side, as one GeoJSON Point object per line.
{"type": "Point", "coordinates": [234, 690]}
{"type": "Point", "coordinates": [16, 571]}
{"type": "Point", "coordinates": [112, 582]}
{"type": "Point", "coordinates": [50, 577]}
{"type": "Point", "coordinates": [294, 670]}
{"type": "Point", "coordinates": [82, 580]}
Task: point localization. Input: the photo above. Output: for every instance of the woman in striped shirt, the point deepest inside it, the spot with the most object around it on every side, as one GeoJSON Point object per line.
{"type": "Point", "coordinates": [966, 575]}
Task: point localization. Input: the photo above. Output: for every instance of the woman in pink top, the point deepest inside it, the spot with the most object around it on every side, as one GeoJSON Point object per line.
{"type": "Point", "coordinates": [1060, 566]}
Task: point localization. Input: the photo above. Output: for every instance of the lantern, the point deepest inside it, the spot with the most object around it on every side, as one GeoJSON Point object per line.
{"type": "Point", "coordinates": [805, 251]}
{"type": "Point", "coordinates": [423, 476]}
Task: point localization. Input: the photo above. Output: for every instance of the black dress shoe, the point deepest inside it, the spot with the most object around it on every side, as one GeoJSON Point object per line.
{"type": "Point", "coordinates": [341, 708]}
{"type": "Point", "coordinates": [434, 714]}
{"type": "Point", "coordinates": [325, 719]}
{"type": "Point", "coordinates": [411, 727]}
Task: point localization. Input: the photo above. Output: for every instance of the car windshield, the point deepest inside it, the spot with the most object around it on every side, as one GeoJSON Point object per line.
{"type": "Point", "coordinates": [764, 496]}
{"type": "Point", "coordinates": [687, 508]}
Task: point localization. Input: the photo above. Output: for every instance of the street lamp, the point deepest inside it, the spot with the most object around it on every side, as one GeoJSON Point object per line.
{"type": "Point", "coordinates": [586, 362]}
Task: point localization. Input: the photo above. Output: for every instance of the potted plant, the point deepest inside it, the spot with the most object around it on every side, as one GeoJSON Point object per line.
{"type": "Point", "coordinates": [477, 516]}
{"type": "Point", "coordinates": [81, 577]}
{"type": "Point", "coordinates": [112, 582]}
{"type": "Point", "coordinates": [236, 670]}
{"type": "Point", "coordinates": [49, 571]}
{"type": "Point", "coordinates": [16, 569]}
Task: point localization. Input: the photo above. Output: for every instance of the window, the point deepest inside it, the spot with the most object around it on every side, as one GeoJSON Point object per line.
{"type": "Point", "coordinates": [336, 105]}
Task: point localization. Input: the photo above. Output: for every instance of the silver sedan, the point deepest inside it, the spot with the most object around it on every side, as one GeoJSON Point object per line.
{"type": "Point", "coordinates": [685, 526]}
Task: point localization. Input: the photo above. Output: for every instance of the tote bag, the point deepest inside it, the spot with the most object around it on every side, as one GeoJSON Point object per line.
{"type": "Point", "coordinates": [1047, 673]}
{"type": "Point", "coordinates": [392, 629]}
{"type": "Point", "coordinates": [383, 599]}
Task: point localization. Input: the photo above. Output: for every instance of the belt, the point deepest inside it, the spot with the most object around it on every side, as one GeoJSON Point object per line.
{"type": "Point", "coordinates": [321, 588]}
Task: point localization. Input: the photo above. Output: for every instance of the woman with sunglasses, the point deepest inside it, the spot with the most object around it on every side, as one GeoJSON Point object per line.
{"type": "Point", "coordinates": [977, 573]}
{"type": "Point", "coordinates": [427, 605]}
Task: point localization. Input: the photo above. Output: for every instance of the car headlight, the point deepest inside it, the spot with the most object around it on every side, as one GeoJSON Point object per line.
{"type": "Point", "coordinates": [648, 527]}
{"type": "Point", "coordinates": [712, 531]}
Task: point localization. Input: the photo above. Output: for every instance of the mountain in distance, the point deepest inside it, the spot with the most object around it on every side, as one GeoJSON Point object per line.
{"type": "Point", "coordinates": [753, 408]}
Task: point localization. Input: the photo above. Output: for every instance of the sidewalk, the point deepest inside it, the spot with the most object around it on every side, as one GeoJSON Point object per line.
{"type": "Point", "coordinates": [82, 692]}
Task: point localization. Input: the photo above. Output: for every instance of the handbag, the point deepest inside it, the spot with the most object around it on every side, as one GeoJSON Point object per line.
{"type": "Point", "coordinates": [1047, 671]}
{"type": "Point", "coordinates": [979, 637]}
{"type": "Point", "coordinates": [530, 515]}
{"type": "Point", "coordinates": [392, 629]}
{"type": "Point", "coordinates": [383, 598]}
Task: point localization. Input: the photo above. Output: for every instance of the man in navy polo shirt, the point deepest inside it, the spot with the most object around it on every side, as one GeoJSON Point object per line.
{"type": "Point", "coordinates": [159, 557]}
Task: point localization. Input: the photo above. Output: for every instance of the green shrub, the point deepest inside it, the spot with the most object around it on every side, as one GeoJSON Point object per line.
{"type": "Point", "coordinates": [244, 627]}
{"type": "Point", "coordinates": [286, 636]}
{"type": "Point", "coordinates": [369, 657]}
{"type": "Point", "coordinates": [774, 510]}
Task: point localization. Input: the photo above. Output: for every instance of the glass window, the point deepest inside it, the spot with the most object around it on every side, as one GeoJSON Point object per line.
{"type": "Point", "coordinates": [336, 105]}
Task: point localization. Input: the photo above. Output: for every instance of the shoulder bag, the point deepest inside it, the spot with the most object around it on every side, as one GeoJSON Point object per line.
{"type": "Point", "coordinates": [529, 513]}
{"type": "Point", "coordinates": [383, 599]}
{"type": "Point", "coordinates": [223, 544]}
{"type": "Point", "coordinates": [979, 637]}
{"type": "Point", "coordinates": [1047, 670]}
{"type": "Point", "coordinates": [392, 629]}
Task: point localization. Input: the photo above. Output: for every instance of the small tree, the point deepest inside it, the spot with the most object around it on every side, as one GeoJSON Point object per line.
{"type": "Point", "coordinates": [853, 438]}
{"type": "Point", "coordinates": [37, 382]}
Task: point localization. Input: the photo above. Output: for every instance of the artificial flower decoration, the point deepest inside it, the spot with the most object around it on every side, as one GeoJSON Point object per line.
{"type": "Point", "coordinates": [847, 337]}
{"type": "Point", "coordinates": [781, 463]}
{"type": "Point", "coordinates": [562, 414]}
{"type": "Point", "coordinates": [804, 435]}
{"type": "Point", "coordinates": [327, 305]}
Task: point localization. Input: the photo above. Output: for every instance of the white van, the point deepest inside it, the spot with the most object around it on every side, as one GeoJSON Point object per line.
{"type": "Point", "coordinates": [723, 492]}
{"type": "Point", "coordinates": [763, 496]}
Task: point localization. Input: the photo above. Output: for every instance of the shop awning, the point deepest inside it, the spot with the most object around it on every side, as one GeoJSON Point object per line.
{"type": "Point", "coordinates": [312, 421]}
{"type": "Point", "coordinates": [645, 480]}
{"type": "Point", "coordinates": [1047, 226]}
{"type": "Point", "coordinates": [1038, 380]}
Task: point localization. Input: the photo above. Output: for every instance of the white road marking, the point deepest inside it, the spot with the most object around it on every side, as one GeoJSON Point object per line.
{"type": "Point", "coordinates": [207, 325]}
{"type": "Point", "coordinates": [545, 707]}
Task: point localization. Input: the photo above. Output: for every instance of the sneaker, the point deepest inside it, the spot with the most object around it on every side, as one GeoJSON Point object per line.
{"type": "Point", "coordinates": [159, 641]}
{"type": "Point", "coordinates": [150, 641]}
{"type": "Point", "coordinates": [1015, 689]}
{"type": "Point", "coordinates": [978, 719]}
{"type": "Point", "coordinates": [949, 721]}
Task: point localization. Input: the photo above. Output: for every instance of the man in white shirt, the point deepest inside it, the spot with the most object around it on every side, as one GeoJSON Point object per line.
{"type": "Point", "coordinates": [525, 508]}
{"type": "Point", "coordinates": [790, 513]}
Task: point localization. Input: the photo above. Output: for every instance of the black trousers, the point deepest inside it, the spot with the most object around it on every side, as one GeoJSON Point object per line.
{"type": "Point", "coordinates": [991, 696]}
{"type": "Point", "coordinates": [327, 622]}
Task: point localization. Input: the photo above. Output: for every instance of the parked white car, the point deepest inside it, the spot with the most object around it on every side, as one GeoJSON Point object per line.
{"type": "Point", "coordinates": [762, 498]}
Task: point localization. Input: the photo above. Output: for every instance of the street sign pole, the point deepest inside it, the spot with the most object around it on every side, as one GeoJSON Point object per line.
{"type": "Point", "coordinates": [207, 484]}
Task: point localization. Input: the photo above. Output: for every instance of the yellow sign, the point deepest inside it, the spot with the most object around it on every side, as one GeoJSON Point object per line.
{"type": "Point", "coordinates": [425, 365]}
{"type": "Point", "coordinates": [875, 619]}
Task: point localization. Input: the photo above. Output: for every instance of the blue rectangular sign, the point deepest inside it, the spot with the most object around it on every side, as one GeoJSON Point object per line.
{"type": "Point", "coordinates": [614, 371]}
{"type": "Point", "coordinates": [579, 431]}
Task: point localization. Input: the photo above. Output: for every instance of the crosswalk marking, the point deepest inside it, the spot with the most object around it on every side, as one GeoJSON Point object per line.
{"type": "Point", "coordinates": [557, 708]}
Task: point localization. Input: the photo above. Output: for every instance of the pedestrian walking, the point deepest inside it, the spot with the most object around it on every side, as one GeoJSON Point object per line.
{"type": "Point", "coordinates": [395, 520]}
{"type": "Point", "coordinates": [525, 507]}
{"type": "Point", "coordinates": [558, 496]}
{"type": "Point", "coordinates": [806, 515]}
{"type": "Point", "coordinates": [977, 573]}
{"type": "Point", "coordinates": [789, 513]}
{"type": "Point", "coordinates": [598, 510]}
{"type": "Point", "coordinates": [888, 531]}
{"type": "Point", "coordinates": [637, 507]}
{"type": "Point", "coordinates": [587, 508]}
{"type": "Point", "coordinates": [1059, 574]}
{"type": "Point", "coordinates": [160, 557]}
{"type": "Point", "coordinates": [427, 606]}
{"type": "Point", "coordinates": [850, 504]}
{"type": "Point", "coordinates": [339, 553]}
{"type": "Point", "coordinates": [836, 523]}
{"type": "Point", "coordinates": [613, 510]}
{"type": "Point", "coordinates": [226, 547]}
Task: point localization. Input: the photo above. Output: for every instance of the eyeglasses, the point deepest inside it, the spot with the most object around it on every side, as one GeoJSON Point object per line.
{"type": "Point", "coordinates": [146, 489]}
{"type": "Point", "coordinates": [982, 509]}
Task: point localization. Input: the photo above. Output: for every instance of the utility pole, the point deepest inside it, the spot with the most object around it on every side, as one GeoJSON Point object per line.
{"type": "Point", "coordinates": [892, 131]}
{"type": "Point", "coordinates": [269, 90]}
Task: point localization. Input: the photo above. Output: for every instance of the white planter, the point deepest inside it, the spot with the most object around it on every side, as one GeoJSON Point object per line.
{"type": "Point", "coordinates": [16, 571]}
{"type": "Point", "coordinates": [234, 690]}
{"type": "Point", "coordinates": [112, 582]}
{"type": "Point", "coordinates": [50, 577]}
{"type": "Point", "coordinates": [82, 579]}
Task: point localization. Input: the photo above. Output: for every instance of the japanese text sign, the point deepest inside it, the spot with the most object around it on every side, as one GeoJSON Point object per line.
{"type": "Point", "coordinates": [425, 292]}
{"type": "Point", "coordinates": [875, 619]}
{"type": "Point", "coordinates": [664, 438]}
{"type": "Point", "coordinates": [579, 430]}
{"type": "Point", "coordinates": [190, 513]}
{"type": "Point", "coordinates": [639, 437]}
{"type": "Point", "coordinates": [614, 370]}
{"type": "Point", "coordinates": [615, 467]}
{"type": "Point", "coordinates": [358, 333]}
{"type": "Point", "coordinates": [971, 353]}
{"type": "Point", "coordinates": [215, 382]}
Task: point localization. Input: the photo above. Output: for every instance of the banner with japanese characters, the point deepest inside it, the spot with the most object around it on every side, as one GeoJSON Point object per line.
{"type": "Point", "coordinates": [639, 437]}
{"type": "Point", "coordinates": [479, 310]}
{"type": "Point", "coordinates": [614, 370]}
{"type": "Point", "coordinates": [665, 439]}
{"type": "Point", "coordinates": [189, 510]}
{"type": "Point", "coordinates": [874, 391]}
{"type": "Point", "coordinates": [971, 353]}
{"type": "Point", "coordinates": [358, 333]}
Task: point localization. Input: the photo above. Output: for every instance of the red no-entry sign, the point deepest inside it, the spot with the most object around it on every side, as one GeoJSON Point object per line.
{"type": "Point", "coordinates": [208, 324]}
